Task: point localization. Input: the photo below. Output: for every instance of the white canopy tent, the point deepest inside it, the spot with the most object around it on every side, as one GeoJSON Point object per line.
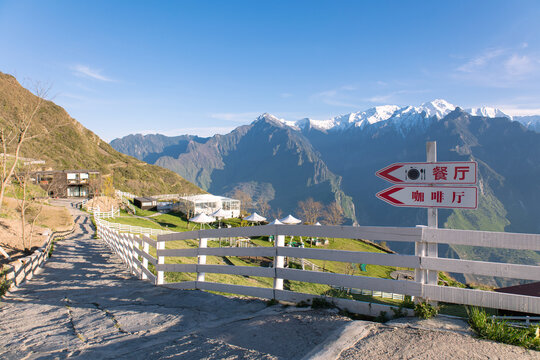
{"type": "Point", "coordinates": [202, 219]}
{"type": "Point", "coordinates": [220, 214]}
{"type": "Point", "coordinates": [290, 220]}
{"type": "Point", "coordinates": [255, 218]}
{"type": "Point", "coordinates": [276, 222]}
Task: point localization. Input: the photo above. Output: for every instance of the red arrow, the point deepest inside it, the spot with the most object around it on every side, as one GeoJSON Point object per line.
{"type": "Point", "coordinates": [385, 195]}
{"type": "Point", "coordinates": [385, 173]}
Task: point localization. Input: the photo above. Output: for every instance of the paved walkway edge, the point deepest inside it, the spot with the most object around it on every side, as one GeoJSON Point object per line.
{"type": "Point", "coordinates": [340, 340]}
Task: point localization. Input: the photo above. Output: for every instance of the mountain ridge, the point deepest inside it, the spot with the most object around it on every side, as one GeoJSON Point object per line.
{"type": "Point", "coordinates": [505, 150]}
{"type": "Point", "coordinates": [64, 143]}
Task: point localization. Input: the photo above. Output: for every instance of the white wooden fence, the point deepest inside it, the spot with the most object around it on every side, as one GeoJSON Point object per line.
{"type": "Point", "coordinates": [123, 194]}
{"type": "Point", "coordinates": [123, 228]}
{"type": "Point", "coordinates": [134, 250]}
{"type": "Point", "coordinates": [104, 214]}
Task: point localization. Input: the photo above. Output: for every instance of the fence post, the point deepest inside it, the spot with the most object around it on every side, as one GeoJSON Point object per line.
{"type": "Point", "coordinates": [279, 262]}
{"type": "Point", "coordinates": [134, 258]}
{"type": "Point", "coordinates": [146, 249]}
{"type": "Point", "coordinates": [161, 261]}
{"type": "Point", "coordinates": [203, 243]}
{"type": "Point", "coordinates": [420, 250]}
{"type": "Point", "coordinates": [129, 251]}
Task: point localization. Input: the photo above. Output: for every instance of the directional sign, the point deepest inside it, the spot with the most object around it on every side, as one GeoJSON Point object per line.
{"type": "Point", "coordinates": [449, 197]}
{"type": "Point", "coordinates": [457, 172]}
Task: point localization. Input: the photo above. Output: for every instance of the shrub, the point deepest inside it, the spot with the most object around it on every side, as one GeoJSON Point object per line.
{"type": "Point", "coordinates": [4, 283]}
{"type": "Point", "coordinates": [489, 328]}
{"type": "Point", "coordinates": [408, 302]}
{"type": "Point", "coordinates": [399, 312]}
{"type": "Point", "coordinates": [425, 310]}
{"type": "Point", "coordinates": [320, 303]}
{"type": "Point", "coordinates": [382, 317]}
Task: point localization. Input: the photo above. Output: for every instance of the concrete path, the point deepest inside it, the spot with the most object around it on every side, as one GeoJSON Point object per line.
{"type": "Point", "coordinates": [84, 304]}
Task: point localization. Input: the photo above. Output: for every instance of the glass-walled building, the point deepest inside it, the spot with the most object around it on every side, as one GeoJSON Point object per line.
{"type": "Point", "coordinates": [67, 183]}
{"type": "Point", "coordinates": [207, 204]}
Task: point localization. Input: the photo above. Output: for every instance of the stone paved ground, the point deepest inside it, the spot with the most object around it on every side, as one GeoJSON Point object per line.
{"type": "Point", "coordinates": [85, 305]}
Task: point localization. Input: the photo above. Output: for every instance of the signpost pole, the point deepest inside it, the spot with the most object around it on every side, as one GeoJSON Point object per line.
{"type": "Point", "coordinates": [432, 276]}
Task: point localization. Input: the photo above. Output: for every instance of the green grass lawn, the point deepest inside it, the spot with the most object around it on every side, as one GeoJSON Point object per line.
{"type": "Point", "coordinates": [133, 221]}
{"type": "Point", "coordinates": [173, 221]}
{"type": "Point", "coordinates": [176, 222]}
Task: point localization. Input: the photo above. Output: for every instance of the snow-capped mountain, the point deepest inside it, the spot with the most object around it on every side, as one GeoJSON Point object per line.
{"type": "Point", "coordinates": [487, 112]}
{"type": "Point", "coordinates": [404, 118]}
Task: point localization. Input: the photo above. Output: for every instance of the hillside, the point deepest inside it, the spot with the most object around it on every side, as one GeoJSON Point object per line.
{"type": "Point", "coordinates": [65, 144]}
{"type": "Point", "coordinates": [266, 159]}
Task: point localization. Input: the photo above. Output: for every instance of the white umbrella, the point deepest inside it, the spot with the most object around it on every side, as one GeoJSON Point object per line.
{"type": "Point", "coordinates": [255, 218]}
{"type": "Point", "coordinates": [220, 214]}
{"type": "Point", "coordinates": [290, 220]}
{"type": "Point", "coordinates": [318, 224]}
{"type": "Point", "coordinates": [202, 218]}
{"type": "Point", "coordinates": [276, 222]}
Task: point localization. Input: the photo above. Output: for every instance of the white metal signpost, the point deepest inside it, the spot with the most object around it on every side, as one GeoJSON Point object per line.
{"type": "Point", "coordinates": [431, 185]}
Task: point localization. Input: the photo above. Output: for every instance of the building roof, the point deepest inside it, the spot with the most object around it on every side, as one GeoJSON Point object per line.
{"type": "Point", "coordinates": [530, 289]}
{"type": "Point", "coordinates": [145, 199]}
{"type": "Point", "coordinates": [204, 198]}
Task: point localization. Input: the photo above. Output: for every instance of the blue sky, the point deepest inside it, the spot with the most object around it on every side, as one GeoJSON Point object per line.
{"type": "Point", "coordinates": [202, 67]}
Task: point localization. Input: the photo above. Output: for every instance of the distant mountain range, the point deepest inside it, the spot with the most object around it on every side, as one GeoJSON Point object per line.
{"type": "Point", "coordinates": [335, 159]}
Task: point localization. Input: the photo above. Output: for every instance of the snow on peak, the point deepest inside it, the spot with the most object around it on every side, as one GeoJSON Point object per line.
{"type": "Point", "coordinates": [487, 112]}
{"type": "Point", "coordinates": [275, 119]}
{"type": "Point", "coordinates": [438, 108]}
{"type": "Point", "coordinates": [404, 118]}
{"type": "Point", "coordinates": [357, 119]}
{"type": "Point", "coordinates": [369, 116]}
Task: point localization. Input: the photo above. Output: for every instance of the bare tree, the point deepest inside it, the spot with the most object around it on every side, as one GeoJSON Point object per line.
{"type": "Point", "coordinates": [107, 187]}
{"type": "Point", "coordinates": [14, 133]}
{"type": "Point", "coordinates": [310, 210]}
{"type": "Point", "coordinates": [334, 214]}
{"type": "Point", "coordinates": [29, 209]}
{"type": "Point", "coordinates": [263, 206]}
{"type": "Point", "coordinates": [246, 201]}
{"type": "Point", "coordinates": [95, 186]}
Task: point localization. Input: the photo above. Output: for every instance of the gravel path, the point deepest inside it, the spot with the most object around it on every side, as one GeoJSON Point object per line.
{"type": "Point", "coordinates": [418, 342]}
{"type": "Point", "coordinates": [84, 304]}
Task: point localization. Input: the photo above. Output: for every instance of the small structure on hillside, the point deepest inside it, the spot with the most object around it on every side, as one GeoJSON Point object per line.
{"type": "Point", "coordinates": [145, 203]}
{"type": "Point", "coordinates": [207, 204]}
{"type": "Point", "coordinates": [67, 183]}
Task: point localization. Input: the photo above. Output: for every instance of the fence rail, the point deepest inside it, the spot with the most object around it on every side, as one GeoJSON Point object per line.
{"type": "Point", "coordinates": [134, 250]}
{"type": "Point", "coordinates": [129, 228]}
{"type": "Point", "coordinates": [23, 269]}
